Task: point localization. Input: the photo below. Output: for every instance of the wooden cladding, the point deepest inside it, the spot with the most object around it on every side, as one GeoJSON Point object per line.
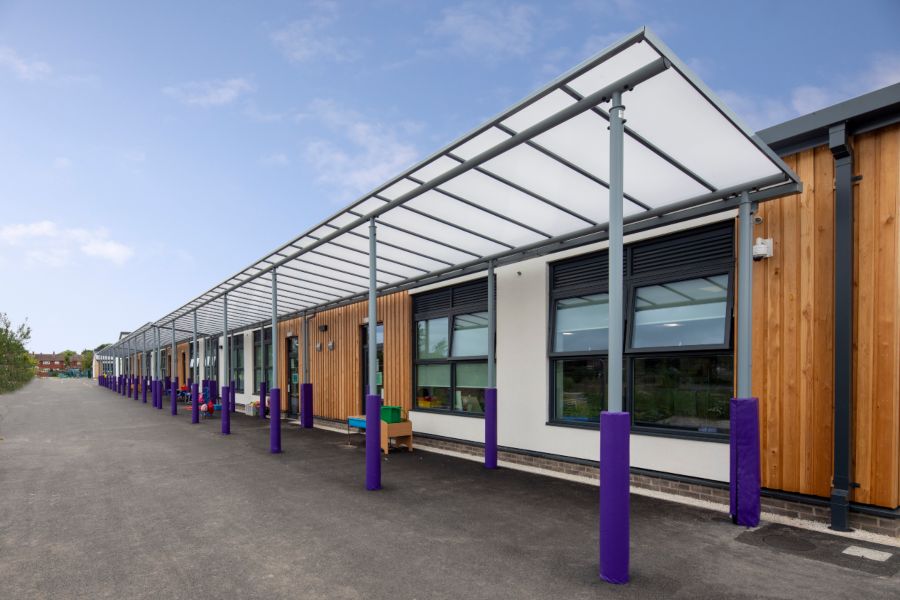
{"type": "Point", "coordinates": [793, 330]}
{"type": "Point", "coordinates": [183, 355]}
{"type": "Point", "coordinates": [337, 375]}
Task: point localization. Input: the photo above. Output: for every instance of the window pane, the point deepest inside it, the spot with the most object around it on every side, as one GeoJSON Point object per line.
{"type": "Point", "coordinates": [471, 379]}
{"type": "Point", "coordinates": [582, 324]}
{"type": "Point", "coordinates": [580, 390]}
{"type": "Point", "coordinates": [433, 386]}
{"type": "Point", "coordinates": [432, 337]}
{"type": "Point", "coordinates": [686, 392]}
{"type": "Point", "coordinates": [470, 334]}
{"type": "Point", "coordinates": [681, 313]}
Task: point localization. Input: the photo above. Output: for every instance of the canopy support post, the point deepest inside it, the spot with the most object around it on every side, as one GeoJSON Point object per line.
{"type": "Point", "coordinates": [226, 395]}
{"type": "Point", "coordinates": [744, 480]}
{"type": "Point", "coordinates": [373, 400]}
{"type": "Point", "coordinates": [275, 392]}
{"type": "Point", "coordinates": [145, 367]}
{"type": "Point", "coordinates": [157, 401]}
{"type": "Point", "coordinates": [490, 394]}
{"type": "Point", "coordinates": [173, 376]}
{"type": "Point", "coordinates": [615, 423]}
{"type": "Point", "coordinates": [306, 388]}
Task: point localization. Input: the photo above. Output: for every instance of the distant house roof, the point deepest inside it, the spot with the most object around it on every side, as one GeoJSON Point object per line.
{"type": "Point", "coordinates": [54, 356]}
{"type": "Point", "coordinates": [864, 113]}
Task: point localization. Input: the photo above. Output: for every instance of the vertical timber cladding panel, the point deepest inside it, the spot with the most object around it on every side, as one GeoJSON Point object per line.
{"type": "Point", "coordinates": [286, 329]}
{"type": "Point", "coordinates": [876, 431]}
{"type": "Point", "coordinates": [793, 332]}
{"type": "Point", "coordinates": [183, 353]}
{"type": "Point", "coordinates": [337, 374]}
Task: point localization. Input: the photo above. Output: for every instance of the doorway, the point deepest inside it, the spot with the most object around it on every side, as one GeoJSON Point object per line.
{"type": "Point", "coordinates": [293, 375]}
{"type": "Point", "coordinates": [379, 376]}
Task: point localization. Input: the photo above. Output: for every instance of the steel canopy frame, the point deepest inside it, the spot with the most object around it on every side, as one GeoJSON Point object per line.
{"type": "Point", "coordinates": [326, 265]}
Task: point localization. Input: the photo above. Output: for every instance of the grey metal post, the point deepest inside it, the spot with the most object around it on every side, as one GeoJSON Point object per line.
{"type": "Point", "coordinates": [174, 358]}
{"type": "Point", "coordinates": [145, 368]}
{"type": "Point", "coordinates": [373, 313]}
{"type": "Point", "coordinates": [492, 328]}
{"type": "Point", "coordinates": [274, 382]}
{"type": "Point", "coordinates": [156, 369]}
{"type": "Point", "coordinates": [616, 316]}
{"type": "Point", "coordinates": [196, 352]}
{"type": "Point", "coordinates": [305, 348]}
{"type": "Point", "coordinates": [745, 297]}
{"type": "Point", "coordinates": [225, 350]}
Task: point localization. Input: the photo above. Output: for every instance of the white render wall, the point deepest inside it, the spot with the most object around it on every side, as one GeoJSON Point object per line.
{"type": "Point", "coordinates": [523, 382]}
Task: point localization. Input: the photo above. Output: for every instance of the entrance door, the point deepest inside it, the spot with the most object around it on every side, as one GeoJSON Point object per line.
{"type": "Point", "coordinates": [293, 379]}
{"type": "Point", "coordinates": [379, 378]}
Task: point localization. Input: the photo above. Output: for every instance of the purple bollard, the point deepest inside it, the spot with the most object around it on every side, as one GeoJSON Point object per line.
{"type": "Point", "coordinates": [262, 400]}
{"type": "Point", "coordinates": [615, 430]}
{"type": "Point", "coordinates": [306, 405]}
{"type": "Point", "coordinates": [275, 425]}
{"type": "Point", "coordinates": [195, 404]}
{"type": "Point", "coordinates": [144, 390]}
{"type": "Point", "coordinates": [745, 469]}
{"type": "Point", "coordinates": [490, 428]}
{"type": "Point", "coordinates": [226, 421]}
{"type": "Point", "coordinates": [159, 393]}
{"type": "Point", "coordinates": [173, 397]}
{"type": "Point", "coordinates": [373, 442]}
{"type": "Point", "coordinates": [231, 401]}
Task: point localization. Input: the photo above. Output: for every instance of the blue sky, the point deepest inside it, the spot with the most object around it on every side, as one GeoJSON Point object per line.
{"type": "Point", "coordinates": [150, 149]}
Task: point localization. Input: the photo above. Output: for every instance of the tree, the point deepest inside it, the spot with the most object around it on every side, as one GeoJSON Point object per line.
{"type": "Point", "coordinates": [16, 365]}
{"type": "Point", "coordinates": [87, 362]}
{"type": "Point", "coordinates": [67, 357]}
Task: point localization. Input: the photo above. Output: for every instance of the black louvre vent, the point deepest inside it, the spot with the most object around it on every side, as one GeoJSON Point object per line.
{"type": "Point", "coordinates": [701, 246]}
{"type": "Point", "coordinates": [585, 271]}
{"type": "Point", "coordinates": [432, 301]}
{"type": "Point", "coordinates": [470, 293]}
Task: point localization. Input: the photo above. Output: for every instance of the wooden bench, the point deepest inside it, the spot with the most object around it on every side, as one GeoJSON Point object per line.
{"type": "Point", "coordinates": [400, 432]}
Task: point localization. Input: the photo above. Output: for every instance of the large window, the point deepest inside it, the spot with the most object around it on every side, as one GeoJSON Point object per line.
{"type": "Point", "coordinates": [262, 359]}
{"type": "Point", "coordinates": [451, 349]}
{"type": "Point", "coordinates": [678, 367]}
{"type": "Point", "coordinates": [211, 350]}
{"type": "Point", "coordinates": [236, 360]}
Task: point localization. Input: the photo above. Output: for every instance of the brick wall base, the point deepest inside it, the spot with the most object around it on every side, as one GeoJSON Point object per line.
{"type": "Point", "coordinates": [717, 494]}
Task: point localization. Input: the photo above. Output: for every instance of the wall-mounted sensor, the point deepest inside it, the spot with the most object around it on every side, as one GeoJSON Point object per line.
{"type": "Point", "coordinates": [331, 345]}
{"type": "Point", "coordinates": [762, 248]}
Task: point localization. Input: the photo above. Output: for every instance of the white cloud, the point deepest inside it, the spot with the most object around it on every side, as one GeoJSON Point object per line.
{"type": "Point", "coordinates": [278, 159]}
{"type": "Point", "coordinates": [760, 111]}
{"type": "Point", "coordinates": [370, 154]}
{"type": "Point", "coordinates": [28, 70]}
{"type": "Point", "coordinates": [309, 38]}
{"type": "Point", "coordinates": [62, 162]}
{"type": "Point", "coordinates": [45, 243]}
{"type": "Point", "coordinates": [489, 31]}
{"type": "Point", "coordinates": [210, 93]}
{"type": "Point", "coordinates": [109, 250]}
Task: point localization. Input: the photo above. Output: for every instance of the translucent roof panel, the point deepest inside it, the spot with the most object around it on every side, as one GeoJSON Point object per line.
{"type": "Point", "coordinates": [533, 177]}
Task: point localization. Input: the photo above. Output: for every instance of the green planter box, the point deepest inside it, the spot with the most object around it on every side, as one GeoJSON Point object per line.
{"type": "Point", "coordinates": [390, 414]}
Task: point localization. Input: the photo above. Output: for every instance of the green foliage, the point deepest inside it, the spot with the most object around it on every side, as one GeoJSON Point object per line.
{"type": "Point", "coordinates": [16, 365]}
{"type": "Point", "coordinates": [67, 357]}
{"type": "Point", "coordinates": [87, 361]}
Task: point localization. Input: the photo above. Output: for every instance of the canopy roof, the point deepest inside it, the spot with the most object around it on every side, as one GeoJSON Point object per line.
{"type": "Point", "coordinates": [532, 180]}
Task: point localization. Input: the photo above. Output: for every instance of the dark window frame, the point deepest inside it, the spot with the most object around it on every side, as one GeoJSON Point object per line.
{"type": "Point", "coordinates": [631, 281]}
{"type": "Point", "coordinates": [450, 313]}
{"type": "Point", "coordinates": [262, 337]}
{"type": "Point", "coordinates": [236, 344]}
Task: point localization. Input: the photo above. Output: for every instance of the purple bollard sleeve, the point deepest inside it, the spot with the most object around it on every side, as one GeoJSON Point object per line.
{"type": "Point", "coordinates": [490, 428]}
{"type": "Point", "coordinates": [226, 420]}
{"type": "Point", "coordinates": [195, 404]}
{"type": "Point", "coordinates": [373, 442]}
{"type": "Point", "coordinates": [306, 405]}
{"type": "Point", "coordinates": [275, 417]}
{"type": "Point", "coordinates": [744, 487]}
{"type": "Point", "coordinates": [262, 400]}
{"type": "Point", "coordinates": [615, 429]}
